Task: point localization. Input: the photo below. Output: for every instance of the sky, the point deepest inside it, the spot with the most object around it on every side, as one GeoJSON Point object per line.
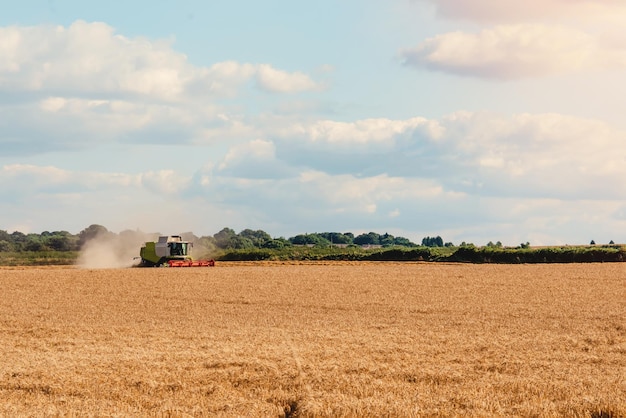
{"type": "Point", "coordinates": [474, 120]}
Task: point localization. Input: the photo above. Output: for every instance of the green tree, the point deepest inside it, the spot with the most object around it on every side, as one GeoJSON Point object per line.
{"type": "Point", "coordinates": [276, 244]}
{"type": "Point", "coordinates": [403, 242]}
{"type": "Point", "coordinates": [309, 239]}
{"type": "Point", "coordinates": [337, 237]}
{"type": "Point", "coordinates": [371, 238]}
{"type": "Point", "coordinates": [432, 241]}
{"type": "Point", "coordinates": [386, 240]}
{"type": "Point", "coordinates": [224, 238]}
{"type": "Point", "coordinates": [241, 243]}
{"type": "Point", "coordinates": [18, 240]}
{"type": "Point", "coordinates": [59, 242]}
{"type": "Point", "coordinates": [258, 237]}
{"type": "Point", "coordinates": [34, 244]}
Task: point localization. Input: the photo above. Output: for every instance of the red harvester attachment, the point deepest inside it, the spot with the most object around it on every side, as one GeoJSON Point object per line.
{"type": "Point", "coordinates": [189, 263]}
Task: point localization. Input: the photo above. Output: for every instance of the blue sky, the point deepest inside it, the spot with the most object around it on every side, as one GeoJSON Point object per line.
{"type": "Point", "coordinates": [476, 120]}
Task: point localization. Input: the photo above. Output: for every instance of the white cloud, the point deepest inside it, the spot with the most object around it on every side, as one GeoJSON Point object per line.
{"type": "Point", "coordinates": [27, 178]}
{"type": "Point", "coordinates": [366, 131]}
{"type": "Point", "coordinates": [518, 51]}
{"type": "Point", "coordinates": [48, 174]}
{"type": "Point", "coordinates": [493, 171]}
{"type": "Point", "coordinates": [91, 58]}
{"type": "Point", "coordinates": [257, 149]}
{"type": "Point", "coordinates": [308, 202]}
{"type": "Point", "coordinates": [91, 85]}
{"type": "Point", "coordinates": [532, 155]}
{"type": "Point", "coordinates": [536, 155]}
{"type": "Point", "coordinates": [365, 192]}
{"type": "Point", "coordinates": [164, 181]}
{"type": "Point", "coordinates": [61, 123]}
{"type": "Point", "coordinates": [254, 159]}
{"type": "Point", "coordinates": [273, 80]}
{"type": "Point", "coordinates": [53, 104]}
{"type": "Point", "coordinates": [517, 11]}
{"type": "Point", "coordinates": [223, 78]}
{"type": "Point", "coordinates": [23, 178]}
{"type": "Point", "coordinates": [108, 116]}
{"type": "Point", "coordinates": [317, 197]}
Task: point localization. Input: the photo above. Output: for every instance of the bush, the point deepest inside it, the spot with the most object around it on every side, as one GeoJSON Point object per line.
{"type": "Point", "coordinates": [246, 255]}
{"type": "Point", "coordinates": [538, 255]}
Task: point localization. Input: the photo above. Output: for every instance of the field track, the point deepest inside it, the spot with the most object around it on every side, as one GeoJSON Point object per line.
{"type": "Point", "coordinates": [315, 339]}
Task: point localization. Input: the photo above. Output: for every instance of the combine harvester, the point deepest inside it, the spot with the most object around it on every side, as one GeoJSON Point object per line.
{"type": "Point", "coordinates": [170, 251]}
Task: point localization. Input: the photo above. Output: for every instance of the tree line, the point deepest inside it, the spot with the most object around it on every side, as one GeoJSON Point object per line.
{"type": "Point", "coordinates": [61, 247]}
{"type": "Point", "coordinates": [225, 239]}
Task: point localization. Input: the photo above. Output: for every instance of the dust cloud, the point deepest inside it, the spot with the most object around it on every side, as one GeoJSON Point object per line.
{"type": "Point", "coordinates": [112, 250]}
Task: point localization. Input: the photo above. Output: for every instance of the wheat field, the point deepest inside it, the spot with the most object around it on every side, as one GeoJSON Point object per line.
{"type": "Point", "coordinates": [318, 339]}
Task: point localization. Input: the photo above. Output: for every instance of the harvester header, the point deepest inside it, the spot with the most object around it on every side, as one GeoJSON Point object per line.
{"type": "Point", "coordinates": [171, 251]}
